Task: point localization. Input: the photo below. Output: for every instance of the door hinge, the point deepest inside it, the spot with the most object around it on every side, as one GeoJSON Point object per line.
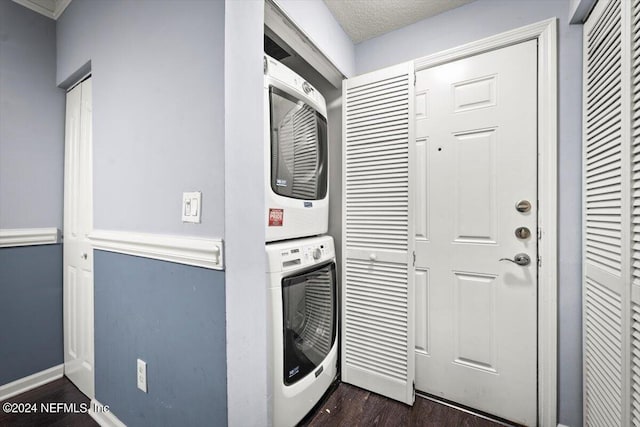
{"type": "Point", "coordinates": [539, 233]}
{"type": "Point", "coordinates": [415, 79]}
{"type": "Point", "coordinates": [539, 261]}
{"type": "Point", "coordinates": [414, 258]}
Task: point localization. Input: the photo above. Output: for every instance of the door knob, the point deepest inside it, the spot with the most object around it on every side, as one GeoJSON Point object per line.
{"type": "Point", "coordinates": [520, 259]}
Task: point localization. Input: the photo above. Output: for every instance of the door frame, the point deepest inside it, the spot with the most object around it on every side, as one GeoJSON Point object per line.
{"type": "Point", "coordinates": [545, 32]}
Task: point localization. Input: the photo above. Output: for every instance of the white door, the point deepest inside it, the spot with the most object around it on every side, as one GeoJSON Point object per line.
{"type": "Point", "coordinates": [78, 253]}
{"type": "Point", "coordinates": [377, 286]}
{"type": "Point", "coordinates": [476, 316]}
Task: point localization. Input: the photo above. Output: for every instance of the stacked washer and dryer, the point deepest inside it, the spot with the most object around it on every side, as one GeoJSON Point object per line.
{"type": "Point", "coordinates": [300, 258]}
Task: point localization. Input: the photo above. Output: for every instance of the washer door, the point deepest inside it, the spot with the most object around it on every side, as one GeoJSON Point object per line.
{"type": "Point", "coordinates": [309, 316]}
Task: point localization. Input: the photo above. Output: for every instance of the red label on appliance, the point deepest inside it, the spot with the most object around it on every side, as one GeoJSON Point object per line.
{"type": "Point", "coordinates": [275, 217]}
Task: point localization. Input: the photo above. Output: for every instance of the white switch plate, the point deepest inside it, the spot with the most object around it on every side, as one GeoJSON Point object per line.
{"type": "Point", "coordinates": [142, 375]}
{"type": "Point", "coordinates": [191, 206]}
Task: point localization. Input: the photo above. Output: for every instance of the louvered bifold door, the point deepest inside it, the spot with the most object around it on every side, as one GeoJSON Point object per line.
{"type": "Point", "coordinates": [635, 183]}
{"type": "Point", "coordinates": [377, 288]}
{"type": "Point", "coordinates": [606, 216]}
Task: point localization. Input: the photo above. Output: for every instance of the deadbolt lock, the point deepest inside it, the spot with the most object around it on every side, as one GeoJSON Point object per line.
{"type": "Point", "coordinates": [523, 233]}
{"type": "Point", "coordinates": [523, 206]}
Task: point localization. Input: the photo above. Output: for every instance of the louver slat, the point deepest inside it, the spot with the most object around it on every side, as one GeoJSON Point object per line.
{"type": "Point", "coordinates": [606, 216]}
{"type": "Point", "coordinates": [603, 360]}
{"type": "Point", "coordinates": [370, 306]}
{"type": "Point", "coordinates": [603, 141]}
{"type": "Point", "coordinates": [635, 350]}
{"type": "Point", "coordinates": [377, 336]}
{"type": "Point", "coordinates": [635, 135]}
{"type": "Point", "coordinates": [377, 154]}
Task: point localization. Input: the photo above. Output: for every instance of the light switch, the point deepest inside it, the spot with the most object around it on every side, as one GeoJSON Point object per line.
{"type": "Point", "coordinates": [191, 206]}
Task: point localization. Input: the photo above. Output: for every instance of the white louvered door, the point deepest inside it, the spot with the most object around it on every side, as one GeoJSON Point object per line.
{"type": "Point", "coordinates": [609, 181]}
{"type": "Point", "coordinates": [635, 224]}
{"type": "Point", "coordinates": [377, 283]}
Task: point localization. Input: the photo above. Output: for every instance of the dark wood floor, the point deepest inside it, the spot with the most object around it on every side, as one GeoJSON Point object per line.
{"type": "Point", "coordinates": [351, 406]}
{"type": "Point", "coordinates": [59, 391]}
{"type": "Point", "coordinates": [345, 405]}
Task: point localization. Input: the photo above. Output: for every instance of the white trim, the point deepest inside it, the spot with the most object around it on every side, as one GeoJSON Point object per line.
{"type": "Point", "coordinates": [61, 5]}
{"type": "Point", "coordinates": [10, 237]}
{"type": "Point", "coordinates": [280, 23]}
{"type": "Point", "coordinates": [581, 11]}
{"type": "Point", "coordinates": [562, 425]}
{"type": "Point", "coordinates": [103, 415]}
{"type": "Point", "coordinates": [58, 6]}
{"type": "Point", "coordinates": [32, 381]}
{"type": "Point", "coordinates": [477, 47]}
{"type": "Point", "coordinates": [195, 251]}
{"type": "Point", "coordinates": [545, 32]}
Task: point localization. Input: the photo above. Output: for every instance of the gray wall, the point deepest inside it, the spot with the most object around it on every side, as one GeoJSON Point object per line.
{"type": "Point", "coordinates": [172, 316]}
{"type": "Point", "coordinates": [158, 130]}
{"type": "Point", "coordinates": [31, 178]}
{"type": "Point", "coordinates": [30, 310]}
{"type": "Point", "coordinates": [484, 18]}
{"type": "Point", "coordinates": [158, 108]}
{"type": "Point", "coordinates": [31, 121]}
{"type": "Point", "coordinates": [245, 265]}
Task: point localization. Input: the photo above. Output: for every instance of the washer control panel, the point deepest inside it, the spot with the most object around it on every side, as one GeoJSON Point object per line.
{"type": "Point", "coordinates": [295, 256]}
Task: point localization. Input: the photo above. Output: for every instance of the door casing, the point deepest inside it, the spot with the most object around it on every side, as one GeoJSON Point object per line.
{"type": "Point", "coordinates": [545, 32]}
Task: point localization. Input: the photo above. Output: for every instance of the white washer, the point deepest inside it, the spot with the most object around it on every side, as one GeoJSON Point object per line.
{"type": "Point", "coordinates": [303, 325]}
{"type": "Point", "coordinates": [296, 155]}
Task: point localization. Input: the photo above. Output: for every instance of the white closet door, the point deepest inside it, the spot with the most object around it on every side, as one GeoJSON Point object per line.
{"type": "Point", "coordinates": [77, 251]}
{"type": "Point", "coordinates": [377, 288]}
{"type": "Point", "coordinates": [606, 210]}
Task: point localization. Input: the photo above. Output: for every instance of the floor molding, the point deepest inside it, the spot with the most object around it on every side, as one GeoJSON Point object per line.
{"type": "Point", "coordinates": [11, 237]}
{"type": "Point", "coordinates": [103, 416]}
{"type": "Point", "coordinates": [196, 251]}
{"type": "Point", "coordinates": [30, 382]}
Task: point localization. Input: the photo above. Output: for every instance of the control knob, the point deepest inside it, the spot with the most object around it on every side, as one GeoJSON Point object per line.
{"type": "Point", "coordinates": [317, 253]}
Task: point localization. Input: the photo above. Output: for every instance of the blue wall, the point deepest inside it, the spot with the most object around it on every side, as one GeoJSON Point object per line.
{"type": "Point", "coordinates": [483, 18]}
{"type": "Point", "coordinates": [30, 310]}
{"type": "Point", "coordinates": [172, 316]}
{"type": "Point", "coordinates": [31, 121]}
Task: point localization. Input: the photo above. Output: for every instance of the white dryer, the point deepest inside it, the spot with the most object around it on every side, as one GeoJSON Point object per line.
{"type": "Point", "coordinates": [296, 155]}
{"type": "Point", "coordinates": [303, 325]}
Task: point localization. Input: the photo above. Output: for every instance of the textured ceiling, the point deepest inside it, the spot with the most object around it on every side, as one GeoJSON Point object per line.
{"type": "Point", "coordinates": [365, 19]}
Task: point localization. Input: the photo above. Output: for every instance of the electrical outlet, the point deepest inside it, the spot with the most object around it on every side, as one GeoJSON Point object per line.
{"type": "Point", "coordinates": [142, 375]}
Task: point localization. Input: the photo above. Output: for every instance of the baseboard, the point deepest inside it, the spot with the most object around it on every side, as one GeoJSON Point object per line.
{"type": "Point", "coordinates": [11, 237]}
{"type": "Point", "coordinates": [562, 425]}
{"type": "Point", "coordinates": [32, 381]}
{"type": "Point", "coordinates": [199, 252]}
{"type": "Point", "coordinates": [103, 416]}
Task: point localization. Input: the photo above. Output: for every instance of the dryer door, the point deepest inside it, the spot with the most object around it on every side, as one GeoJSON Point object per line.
{"type": "Point", "coordinates": [309, 313]}
{"type": "Point", "coordinates": [298, 148]}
